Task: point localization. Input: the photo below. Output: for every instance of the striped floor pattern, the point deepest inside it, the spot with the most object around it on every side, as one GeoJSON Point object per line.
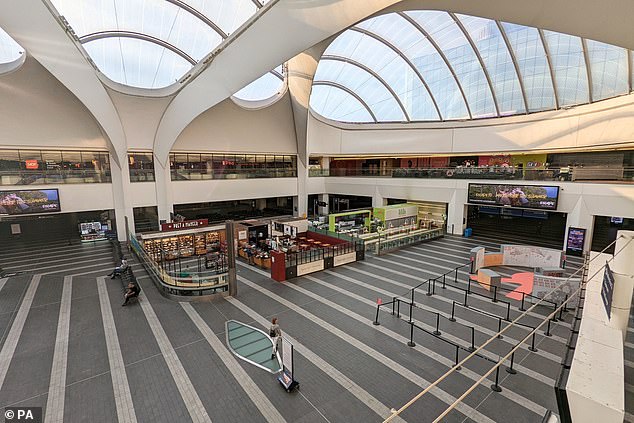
{"type": "Point", "coordinates": [67, 345]}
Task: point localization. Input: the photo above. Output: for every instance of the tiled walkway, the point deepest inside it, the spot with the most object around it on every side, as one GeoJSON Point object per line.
{"type": "Point", "coordinates": [67, 345]}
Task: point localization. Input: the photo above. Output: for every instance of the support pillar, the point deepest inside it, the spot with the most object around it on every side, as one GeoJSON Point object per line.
{"type": "Point", "coordinates": [232, 247]}
{"type": "Point", "coordinates": [623, 268]}
{"type": "Point", "coordinates": [164, 196]}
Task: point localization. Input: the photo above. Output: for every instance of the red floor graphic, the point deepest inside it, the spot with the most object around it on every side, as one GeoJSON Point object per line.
{"type": "Point", "coordinates": [523, 279]}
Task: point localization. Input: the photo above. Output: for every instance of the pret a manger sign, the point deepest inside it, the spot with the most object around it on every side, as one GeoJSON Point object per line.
{"type": "Point", "coordinates": [187, 224]}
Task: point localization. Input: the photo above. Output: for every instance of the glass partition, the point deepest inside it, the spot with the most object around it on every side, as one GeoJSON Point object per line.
{"type": "Point", "coordinates": [27, 167]}
{"type": "Point", "coordinates": [196, 166]}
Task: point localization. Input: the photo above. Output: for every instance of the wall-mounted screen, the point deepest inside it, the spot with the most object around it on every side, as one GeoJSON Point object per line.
{"type": "Point", "coordinates": [523, 196]}
{"type": "Point", "coordinates": [30, 201]}
{"type": "Point", "coordinates": [575, 241]}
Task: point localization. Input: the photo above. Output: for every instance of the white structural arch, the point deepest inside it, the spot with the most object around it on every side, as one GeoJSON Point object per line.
{"type": "Point", "coordinates": [306, 27]}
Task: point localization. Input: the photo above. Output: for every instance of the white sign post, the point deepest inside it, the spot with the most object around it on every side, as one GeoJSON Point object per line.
{"type": "Point", "coordinates": [286, 377]}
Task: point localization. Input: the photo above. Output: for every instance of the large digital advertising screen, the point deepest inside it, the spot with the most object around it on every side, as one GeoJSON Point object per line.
{"type": "Point", "coordinates": [30, 201]}
{"type": "Point", "coordinates": [522, 196]}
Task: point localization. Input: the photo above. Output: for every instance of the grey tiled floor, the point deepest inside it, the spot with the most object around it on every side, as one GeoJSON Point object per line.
{"type": "Point", "coordinates": [365, 370]}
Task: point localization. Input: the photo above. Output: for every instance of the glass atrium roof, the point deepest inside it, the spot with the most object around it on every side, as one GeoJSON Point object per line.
{"type": "Point", "coordinates": [265, 87]}
{"type": "Point", "coordinates": [437, 66]}
{"type": "Point", "coordinates": [152, 43]}
{"type": "Point", "coordinates": [10, 51]}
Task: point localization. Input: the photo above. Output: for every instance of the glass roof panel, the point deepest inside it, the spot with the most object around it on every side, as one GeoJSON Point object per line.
{"type": "Point", "coordinates": [194, 27]}
{"type": "Point", "coordinates": [498, 61]}
{"type": "Point", "coordinates": [425, 58]}
{"type": "Point", "coordinates": [569, 66]}
{"type": "Point", "coordinates": [393, 69]}
{"type": "Point", "coordinates": [534, 70]}
{"type": "Point", "coordinates": [608, 68]}
{"type": "Point", "coordinates": [375, 95]}
{"type": "Point", "coordinates": [10, 51]}
{"type": "Point", "coordinates": [449, 37]}
{"type": "Point", "coordinates": [338, 104]}
{"type": "Point", "coordinates": [432, 61]}
{"type": "Point", "coordinates": [137, 63]}
{"type": "Point", "coordinates": [227, 14]}
{"type": "Point", "coordinates": [264, 87]}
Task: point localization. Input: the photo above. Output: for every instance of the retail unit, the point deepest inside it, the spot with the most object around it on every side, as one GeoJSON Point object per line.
{"type": "Point", "coordinates": [352, 221]}
{"type": "Point", "coordinates": [170, 245]}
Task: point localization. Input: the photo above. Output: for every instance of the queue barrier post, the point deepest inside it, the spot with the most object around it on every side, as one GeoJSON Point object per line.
{"type": "Point", "coordinates": [443, 281]}
{"type": "Point", "coordinates": [411, 342]}
{"type": "Point", "coordinates": [495, 294]}
{"type": "Point", "coordinates": [398, 308]}
{"type": "Point", "coordinates": [522, 305]}
{"type": "Point", "coordinates": [437, 331]}
{"type": "Point", "coordinates": [457, 357]}
{"type": "Point", "coordinates": [472, 347]}
{"type": "Point", "coordinates": [548, 329]}
{"type": "Point", "coordinates": [393, 304]}
{"type": "Point", "coordinates": [429, 288]}
{"type": "Point", "coordinates": [453, 311]}
{"type": "Point", "coordinates": [496, 387]}
{"type": "Point", "coordinates": [510, 369]}
{"type": "Point", "coordinates": [500, 327]}
{"type": "Point", "coordinates": [532, 347]}
{"type": "Point", "coordinates": [465, 298]}
{"type": "Point", "coordinates": [376, 319]}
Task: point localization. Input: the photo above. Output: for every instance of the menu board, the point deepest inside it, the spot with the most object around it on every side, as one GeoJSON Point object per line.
{"type": "Point", "coordinates": [18, 202]}
{"type": "Point", "coordinates": [520, 196]}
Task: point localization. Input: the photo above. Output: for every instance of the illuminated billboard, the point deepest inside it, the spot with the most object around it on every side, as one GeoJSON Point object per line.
{"type": "Point", "coordinates": [521, 196]}
{"type": "Point", "coordinates": [32, 201]}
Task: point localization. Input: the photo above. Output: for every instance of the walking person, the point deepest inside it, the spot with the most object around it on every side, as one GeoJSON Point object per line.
{"type": "Point", "coordinates": [276, 336]}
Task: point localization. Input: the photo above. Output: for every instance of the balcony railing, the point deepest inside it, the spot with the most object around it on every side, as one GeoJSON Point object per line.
{"type": "Point", "coordinates": [580, 173]}
{"type": "Point", "coordinates": [54, 176]}
{"type": "Point", "coordinates": [197, 174]}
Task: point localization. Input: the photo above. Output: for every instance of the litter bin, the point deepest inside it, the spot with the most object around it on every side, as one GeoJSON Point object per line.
{"type": "Point", "coordinates": [467, 232]}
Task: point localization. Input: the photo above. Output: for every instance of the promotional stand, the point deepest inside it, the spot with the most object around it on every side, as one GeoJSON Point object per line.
{"type": "Point", "coordinates": [286, 376]}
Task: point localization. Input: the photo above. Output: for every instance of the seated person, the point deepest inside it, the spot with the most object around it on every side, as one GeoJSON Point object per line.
{"type": "Point", "coordinates": [132, 291]}
{"type": "Point", "coordinates": [119, 269]}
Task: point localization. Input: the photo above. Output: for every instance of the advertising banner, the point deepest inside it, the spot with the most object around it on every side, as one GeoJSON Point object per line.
{"type": "Point", "coordinates": [19, 202]}
{"type": "Point", "coordinates": [574, 243]}
{"type": "Point", "coordinates": [607, 290]}
{"type": "Point", "coordinates": [520, 196]}
{"type": "Point", "coordinates": [530, 256]}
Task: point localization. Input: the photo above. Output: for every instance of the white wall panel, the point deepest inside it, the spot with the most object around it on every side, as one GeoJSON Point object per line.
{"type": "Point", "coordinates": [186, 192]}
{"type": "Point", "coordinates": [142, 194]}
{"type": "Point", "coordinates": [231, 128]}
{"type": "Point", "coordinates": [607, 122]}
{"type": "Point", "coordinates": [36, 110]}
{"type": "Point", "coordinates": [600, 199]}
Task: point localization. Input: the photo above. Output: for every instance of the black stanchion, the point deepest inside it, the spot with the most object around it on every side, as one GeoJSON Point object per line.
{"type": "Point", "coordinates": [496, 387]}
{"type": "Point", "coordinates": [412, 294]}
{"type": "Point", "coordinates": [522, 305]}
{"type": "Point", "coordinates": [508, 312]}
{"type": "Point", "coordinates": [433, 289]}
{"type": "Point", "coordinates": [457, 357]}
{"type": "Point", "coordinates": [532, 347]}
{"type": "Point", "coordinates": [455, 277]}
{"type": "Point", "coordinates": [565, 308]}
{"type": "Point", "coordinates": [411, 342]}
{"type": "Point", "coordinates": [500, 327]}
{"type": "Point", "coordinates": [453, 311]}
{"type": "Point", "coordinates": [510, 369]}
{"type": "Point", "coordinates": [472, 347]}
{"type": "Point", "coordinates": [411, 305]}
{"type": "Point", "coordinates": [376, 319]}
{"type": "Point", "coordinates": [429, 287]}
{"type": "Point", "coordinates": [437, 331]}
{"type": "Point", "coordinates": [495, 294]}
{"type": "Point", "coordinates": [469, 285]}
{"type": "Point", "coordinates": [465, 298]}
{"type": "Point", "coordinates": [443, 282]}
{"type": "Point", "coordinates": [398, 309]}
{"type": "Point", "coordinates": [393, 304]}
{"type": "Point", "coordinates": [548, 329]}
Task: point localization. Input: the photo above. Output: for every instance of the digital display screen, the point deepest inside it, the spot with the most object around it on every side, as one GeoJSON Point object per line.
{"type": "Point", "coordinates": [576, 238]}
{"type": "Point", "coordinates": [30, 201]}
{"type": "Point", "coordinates": [521, 196]}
